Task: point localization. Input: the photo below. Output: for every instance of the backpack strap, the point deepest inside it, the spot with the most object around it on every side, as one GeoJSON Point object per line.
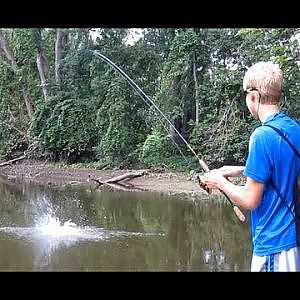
{"type": "Point", "coordinates": [296, 152]}
{"type": "Point", "coordinates": [282, 198]}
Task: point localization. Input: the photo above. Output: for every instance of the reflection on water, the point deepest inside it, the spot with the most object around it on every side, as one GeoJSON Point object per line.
{"type": "Point", "coordinates": [77, 228]}
{"type": "Point", "coordinates": [214, 259]}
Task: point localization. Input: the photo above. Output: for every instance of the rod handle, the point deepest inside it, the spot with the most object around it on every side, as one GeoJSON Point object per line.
{"type": "Point", "coordinates": [239, 213]}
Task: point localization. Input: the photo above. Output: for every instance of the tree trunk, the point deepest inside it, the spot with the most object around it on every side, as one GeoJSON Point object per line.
{"type": "Point", "coordinates": [196, 90]}
{"type": "Point", "coordinates": [9, 55]}
{"type": "Point", "coordinates": [42, 68]}
{"type": "Point", "coordinates": [187, 98]}
{"type": "Point", "coordinates": [59, 47]}
{"type": "Point", "coordinates": [27, 101]}
{"type": "Point", "coordinates": [175, 92]}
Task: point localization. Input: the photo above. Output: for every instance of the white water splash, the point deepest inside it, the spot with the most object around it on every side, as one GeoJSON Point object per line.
{"type": "Point", "coordinates": [49, 225]}
{"type": "Point", "coordinates": [52, 232]}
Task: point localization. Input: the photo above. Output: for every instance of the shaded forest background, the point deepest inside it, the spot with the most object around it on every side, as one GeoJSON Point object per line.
{"type": "Point", "coordinates": [59, 98]}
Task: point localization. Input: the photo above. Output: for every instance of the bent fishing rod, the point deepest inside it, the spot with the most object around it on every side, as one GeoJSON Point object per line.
{"type": "Point", "coordinates": [141, 93]}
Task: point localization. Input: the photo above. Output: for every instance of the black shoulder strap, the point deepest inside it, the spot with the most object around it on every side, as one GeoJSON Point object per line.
{"type": "Point", "coordinates": [282, 198]}
{"type": "Point", "coordinates": [296, 152]}
{"type": "Point", "coordinates": [283, 136]}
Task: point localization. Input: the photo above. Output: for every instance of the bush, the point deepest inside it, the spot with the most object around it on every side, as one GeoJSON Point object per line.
{"type": "Point", "coordinates": [65, 128]}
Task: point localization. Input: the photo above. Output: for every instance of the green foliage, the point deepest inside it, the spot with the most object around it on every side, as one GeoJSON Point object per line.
{"type": "Point", "coordinates": [13, 113]}
{"type": "Point", "coordinates": [158, 150]}
{"type": "Point", "coordinates": [120, 127]}
{"type": "Point", "coordinates": [76, 64]}
{"type": "Point", "coordinates": [221, 144]}
{"type": "Point", "coordinates": [65, 127]}
{"type": "Point", "coordinates": [187, 164]}
{"type": "Point", "coordinates": [123, 115]}
{"type": "Point", "coordinates": [159, 39]}
{"type": "Point", "coordinates": [181, 48]}
{"type": "Point", "coordinates": [154, 149]}
{"type": "Point", "coordinates": [96, 115]}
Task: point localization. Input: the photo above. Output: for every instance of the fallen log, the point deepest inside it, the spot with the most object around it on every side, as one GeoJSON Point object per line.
{"type": "Point", "coordinates": [12, 160]}
{"type": "Point", "coordinates": [126, 177]}
{"type": "Point", "coordinates": [116, 181]}
{"type": "Point", "coordinates": [29, 150]}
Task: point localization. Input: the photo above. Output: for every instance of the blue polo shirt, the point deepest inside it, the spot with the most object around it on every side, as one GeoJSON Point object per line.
{"type": "Point", "coordinates": [273, 227]}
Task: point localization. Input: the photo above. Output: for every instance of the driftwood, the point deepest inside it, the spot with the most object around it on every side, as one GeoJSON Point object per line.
{"type": "Point", "coordinates": [124, 187]}
{"type": "Point", "coordinates": [12, 160]}
{"type": "Point", "coordinates": [29, 150]}
{"type": "Point", "coordinates": [126, 177]}
{"type": "Point", "coordinates": [115, 182]}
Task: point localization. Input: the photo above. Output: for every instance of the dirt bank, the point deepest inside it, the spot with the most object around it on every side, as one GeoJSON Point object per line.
{"type": "Point", "coordinates": [160, 181]}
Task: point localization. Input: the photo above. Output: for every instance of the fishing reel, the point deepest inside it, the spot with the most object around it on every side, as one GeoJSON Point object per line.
{"type": "Point", "coordinates": [203, 185]}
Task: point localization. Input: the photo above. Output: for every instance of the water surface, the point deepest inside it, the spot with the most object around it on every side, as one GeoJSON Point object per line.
{"type": "Point", "coordinates": [79, 228]}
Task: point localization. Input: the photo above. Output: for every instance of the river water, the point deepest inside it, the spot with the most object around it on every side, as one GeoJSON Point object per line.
{"type": "Point", "coordinates": [81, 228]}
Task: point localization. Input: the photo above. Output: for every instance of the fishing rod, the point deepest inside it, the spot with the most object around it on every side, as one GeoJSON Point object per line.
{"type": "Point", "coordinates": [235, 208]}
{"type": "Point", "coordinates": [141, 93]}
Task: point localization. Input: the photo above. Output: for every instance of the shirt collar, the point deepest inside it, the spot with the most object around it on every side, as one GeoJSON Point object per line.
{"type": "Point", "coordinates": [273, 117]}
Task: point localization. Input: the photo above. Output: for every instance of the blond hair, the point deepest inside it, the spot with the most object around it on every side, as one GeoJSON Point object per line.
{"type": "Point", "coordinates": [267, 78]}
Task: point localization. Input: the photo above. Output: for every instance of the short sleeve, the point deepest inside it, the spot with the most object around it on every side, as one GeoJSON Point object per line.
{"type": "Point", "coordinates": [258, 165]}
